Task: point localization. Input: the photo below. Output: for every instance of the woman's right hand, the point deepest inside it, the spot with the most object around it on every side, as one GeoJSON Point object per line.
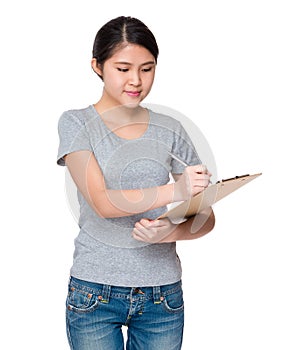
{"type": "Point", "coordinates": [193, 180]}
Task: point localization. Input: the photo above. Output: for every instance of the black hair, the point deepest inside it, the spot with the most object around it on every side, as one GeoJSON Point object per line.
{"type": "Point", "coordinates": [119, 31]}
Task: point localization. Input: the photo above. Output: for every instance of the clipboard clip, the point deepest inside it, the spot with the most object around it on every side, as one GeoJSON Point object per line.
{"type": "Point", "coordinates": [232, 178]}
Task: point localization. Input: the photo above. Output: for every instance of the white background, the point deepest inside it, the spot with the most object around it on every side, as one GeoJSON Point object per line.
{"type": "Point", "coordinates": [221, 64]}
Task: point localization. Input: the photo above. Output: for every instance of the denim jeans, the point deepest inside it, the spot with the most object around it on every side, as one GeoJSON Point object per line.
{"type": "Point", "coordinates": [95, 314]}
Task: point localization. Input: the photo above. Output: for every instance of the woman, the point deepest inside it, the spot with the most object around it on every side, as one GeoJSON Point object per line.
{"type": "Point", "coordinates": [126, 270]}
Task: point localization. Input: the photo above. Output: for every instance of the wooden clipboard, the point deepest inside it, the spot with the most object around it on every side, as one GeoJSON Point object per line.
{"type": "Point", "coordinates": [208, 197]}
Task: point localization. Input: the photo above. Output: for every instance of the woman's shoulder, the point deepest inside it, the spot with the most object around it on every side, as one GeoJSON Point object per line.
{"type": "Point", "coordinates": [80, 116]}
{"type": "Point", "coordinates": [164, 119]}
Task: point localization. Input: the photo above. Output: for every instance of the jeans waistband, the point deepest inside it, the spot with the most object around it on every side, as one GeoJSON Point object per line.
{"type": "Point", "coordinates": [106, 291]}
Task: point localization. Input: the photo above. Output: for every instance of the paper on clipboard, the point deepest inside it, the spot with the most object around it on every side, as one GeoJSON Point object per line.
{"type": "Point", "coordinates": [208, 197]}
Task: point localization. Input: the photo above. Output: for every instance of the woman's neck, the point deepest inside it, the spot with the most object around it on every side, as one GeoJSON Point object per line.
{"type": "Point", "coordinates": [121, 114]}
{"type": "Point", "coordinates": [126, 122]}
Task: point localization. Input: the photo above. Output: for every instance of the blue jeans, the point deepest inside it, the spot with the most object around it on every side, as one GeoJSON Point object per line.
{"type": "Point", "coordinates": [96, 313]}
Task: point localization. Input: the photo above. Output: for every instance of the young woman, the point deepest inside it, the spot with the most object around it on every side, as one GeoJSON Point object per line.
{"type": "Point", "coordinates": [126, 270]}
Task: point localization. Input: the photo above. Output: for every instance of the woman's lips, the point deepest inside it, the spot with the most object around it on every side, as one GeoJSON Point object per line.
{"type": "Point", "coordinates": [133, 93]}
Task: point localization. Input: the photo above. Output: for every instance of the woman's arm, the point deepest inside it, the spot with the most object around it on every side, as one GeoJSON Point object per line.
{"type": "Point", "coordinates": [89, 179]}
{"type": "Point", "coordinates": [164, 231]}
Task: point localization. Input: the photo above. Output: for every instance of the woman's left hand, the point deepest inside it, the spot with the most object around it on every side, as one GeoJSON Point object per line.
{"type": "Point", "coordinates": [152, 231]}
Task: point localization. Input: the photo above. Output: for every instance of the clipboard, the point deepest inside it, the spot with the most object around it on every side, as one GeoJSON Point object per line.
{"type": "Point", "coordinates": [208, 197]}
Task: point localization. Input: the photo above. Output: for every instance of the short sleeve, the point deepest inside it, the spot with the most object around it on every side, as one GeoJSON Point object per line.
{"type": "Point", "coordinates": [73, 136]}
{"type": "Point", "coordinates": [183, 148]}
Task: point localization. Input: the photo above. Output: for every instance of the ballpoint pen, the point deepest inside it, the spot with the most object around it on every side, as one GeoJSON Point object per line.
{"type": "Point", "coordinates": [177, 159]}
{"type": "Point", "coordinates": [181, 161]}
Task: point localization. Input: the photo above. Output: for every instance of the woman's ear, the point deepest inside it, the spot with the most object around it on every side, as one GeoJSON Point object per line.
{"type": "Point", "coordinates": [97, 67]}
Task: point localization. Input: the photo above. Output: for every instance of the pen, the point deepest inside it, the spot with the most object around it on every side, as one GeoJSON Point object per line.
{"type": "Point", "coordinates": [180, 160]}
{"type": "Point", "coordinates": [177, 159]}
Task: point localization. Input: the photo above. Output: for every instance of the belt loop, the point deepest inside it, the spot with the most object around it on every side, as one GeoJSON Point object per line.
{"type": "Point", "coordinates": [157, 295]}
{"type": "Point", "coordinates": [105, 293]}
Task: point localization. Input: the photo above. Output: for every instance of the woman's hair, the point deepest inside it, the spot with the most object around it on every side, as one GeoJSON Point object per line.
{"type": "Point", "coordinates": [119, 32]}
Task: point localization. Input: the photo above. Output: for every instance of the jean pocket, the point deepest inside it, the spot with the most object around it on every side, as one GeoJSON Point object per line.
{"type": "Point", "coordinates": [80, 301]}
{"type": "Point", "coordinates": [174, 302]}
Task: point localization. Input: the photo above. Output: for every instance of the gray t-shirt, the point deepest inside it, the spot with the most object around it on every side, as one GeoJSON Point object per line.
{"type": "Point", "coordinates": [105, 251]}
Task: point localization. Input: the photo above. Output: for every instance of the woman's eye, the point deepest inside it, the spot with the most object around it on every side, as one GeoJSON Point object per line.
{"type": "Point", "coordinates": [122, 69]}
{"type": "Point", "coordinates": [147, 69]}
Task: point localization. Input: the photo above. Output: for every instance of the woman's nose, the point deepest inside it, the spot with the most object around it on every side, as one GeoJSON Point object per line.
{"type": "Point", "coordinates": [135, 78]}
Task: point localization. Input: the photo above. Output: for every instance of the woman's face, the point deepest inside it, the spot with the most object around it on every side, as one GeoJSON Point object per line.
{"type": "Point", "coordinates": [128, 76]}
